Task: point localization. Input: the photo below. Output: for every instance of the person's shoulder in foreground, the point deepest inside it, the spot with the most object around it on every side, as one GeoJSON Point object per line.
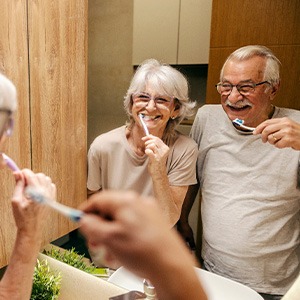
{"type": "Point", "coordinates": [29, 217]}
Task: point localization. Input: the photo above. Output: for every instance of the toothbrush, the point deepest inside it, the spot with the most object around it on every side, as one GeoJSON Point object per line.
{"type": "Point", "coordinates": [10, 163]}
{"type": "Point", "coordinates": [144, 124]}
{"type": "Point", "coordinates": [73, 214]}
{"type": "Point", "coordinates": [239, 123]}
{"type": "Point", "coordinates": [37, 196]}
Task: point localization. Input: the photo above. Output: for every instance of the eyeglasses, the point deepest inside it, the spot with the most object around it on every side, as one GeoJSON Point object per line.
{"type": "Point", "coordinates": [6, 122]}
{"type": "Point", "coordinates": [244, 89]}
{"type": "Point", "coordinates": [142, 100]}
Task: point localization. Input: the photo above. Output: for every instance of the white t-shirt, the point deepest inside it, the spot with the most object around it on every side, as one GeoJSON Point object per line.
{"type": "Point", "coordinates": [250, 203]}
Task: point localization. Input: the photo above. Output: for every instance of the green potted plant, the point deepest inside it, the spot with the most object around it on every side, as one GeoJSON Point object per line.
{"type": "Point", "coordinates": [46, 284]}
{"type": "Point", "coordinates": [72, 258]}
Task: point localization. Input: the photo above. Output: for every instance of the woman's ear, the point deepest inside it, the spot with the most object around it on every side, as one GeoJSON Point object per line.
{"type": "Point", "coordinates": [175, 113]}
{"type": "Point", "coordinates": [177, 105]}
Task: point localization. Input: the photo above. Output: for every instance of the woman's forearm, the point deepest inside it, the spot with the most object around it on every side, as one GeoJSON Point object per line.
{"type": "Point", "coordinates": [169, 198]}
{"type": "Point", "coordinates": [16, 283]}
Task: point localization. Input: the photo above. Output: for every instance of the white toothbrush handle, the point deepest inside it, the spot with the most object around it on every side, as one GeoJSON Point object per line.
{"type": "Point", "coordinates": [69, 212]}
{"type": "Point", "coordinates": [74, 214]}
{"type": "Point", "coordinates": [240, 124]}
{"type": "Point", "coordinates": [144, 125]}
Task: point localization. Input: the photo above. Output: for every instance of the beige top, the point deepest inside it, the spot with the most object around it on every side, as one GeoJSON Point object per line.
{"type": "Point", "coordinates": [112, 164]}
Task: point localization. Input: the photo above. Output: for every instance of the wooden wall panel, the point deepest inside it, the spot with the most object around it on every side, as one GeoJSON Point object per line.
{"type": "Point", "coordinates": [43, 49]}
{"type": "Point", "coordinates": [58, 81]}
{"type": "Point", "coordinates": [14, 64]}
{"type": "Point", "coordinates": [267, 22]}
{"type": "Point", "coordinates": [273, 23]}
{"type": "Point", "coordinates": [110, 31]}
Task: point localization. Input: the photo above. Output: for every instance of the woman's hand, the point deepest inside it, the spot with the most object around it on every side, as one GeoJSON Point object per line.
{"type": "Point", "coordinates": [157, 152]}
{"type": "Point", "coordinates": [169, 198]}
{"type": "Point", "coordinates": [30, 217]}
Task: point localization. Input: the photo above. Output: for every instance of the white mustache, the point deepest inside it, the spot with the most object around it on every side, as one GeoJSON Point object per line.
{"type": "Point", "coordinates": [238, 104]}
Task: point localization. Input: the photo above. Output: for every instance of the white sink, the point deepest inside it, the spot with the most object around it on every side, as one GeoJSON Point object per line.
{"type": "Point", "coordinates": [216, 287]}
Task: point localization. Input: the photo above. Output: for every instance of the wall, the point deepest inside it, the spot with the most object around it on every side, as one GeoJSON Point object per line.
{"type": "Point", "coordinates": [43, 46]}
{"type": "Point", "coordinates": [110, 63]}
{"type": "Point", "coordinates": [14, 63]}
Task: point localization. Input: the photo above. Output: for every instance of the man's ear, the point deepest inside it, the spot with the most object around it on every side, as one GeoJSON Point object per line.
{"type": "Point", "coordinates": [274, 91]}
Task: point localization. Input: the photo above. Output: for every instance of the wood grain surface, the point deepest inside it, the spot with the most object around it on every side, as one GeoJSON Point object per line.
{"type": "Point", "coordinates": [273, 23]}
{"type": "Point", "coordinates": [43, 49]}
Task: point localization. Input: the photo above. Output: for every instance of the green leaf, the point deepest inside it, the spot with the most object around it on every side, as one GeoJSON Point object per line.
{"type": "Point", "coordinates": [46, 284]}
{"type": "Point", "coordinates": [72, 258]}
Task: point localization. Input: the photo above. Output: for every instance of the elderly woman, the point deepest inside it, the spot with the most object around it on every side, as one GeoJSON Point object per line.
{"type": "Point", "coordinates": [30, 217]}
{"type": "Point", "coordinates": [153, 158]}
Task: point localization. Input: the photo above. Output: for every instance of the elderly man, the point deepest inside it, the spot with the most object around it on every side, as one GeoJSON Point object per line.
{"type": "Point", "coordinates": [30, 217]}
{"type": "Point", "coordinates": [250, 199]}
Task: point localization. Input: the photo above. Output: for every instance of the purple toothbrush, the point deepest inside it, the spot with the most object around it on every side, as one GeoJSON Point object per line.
{"type": "Point", "coordinates": [10, 163]}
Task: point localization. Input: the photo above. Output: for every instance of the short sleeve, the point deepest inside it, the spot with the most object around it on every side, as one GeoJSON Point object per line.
{"type": "Point", "coordinates": [94, 169]}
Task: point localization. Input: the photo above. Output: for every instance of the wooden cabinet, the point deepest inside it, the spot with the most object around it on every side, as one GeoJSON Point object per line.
{"type": "Point", "coordinates": [272, 23]}
{"type": "Point", "coordinates": [194, 31]}
{"type": "Point", "coordinates": [172, 31]}
{"type": "Point", "coordinates": [44, 52]}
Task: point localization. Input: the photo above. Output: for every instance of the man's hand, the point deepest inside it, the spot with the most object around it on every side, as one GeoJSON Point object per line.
{"type": "Point", "coordinates": [280, 132]}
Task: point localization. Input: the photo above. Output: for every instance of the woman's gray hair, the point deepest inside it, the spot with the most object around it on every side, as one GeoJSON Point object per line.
{"type": "Point", "coordinates": [272, 69]}
{"type": "Point", "coordinates": [8, 94]}
{"type": "Point", "coordinates": [166, 81]}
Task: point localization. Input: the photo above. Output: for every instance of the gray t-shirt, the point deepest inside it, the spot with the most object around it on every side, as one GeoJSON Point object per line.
{"type": "Point", "coordinates": [250, 203]}
{"type": "Point", "coordinates": [112, 164]}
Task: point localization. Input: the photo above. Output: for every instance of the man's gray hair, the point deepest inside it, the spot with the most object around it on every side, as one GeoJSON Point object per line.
{"type": "Point", "coordinates": [272, 69]}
